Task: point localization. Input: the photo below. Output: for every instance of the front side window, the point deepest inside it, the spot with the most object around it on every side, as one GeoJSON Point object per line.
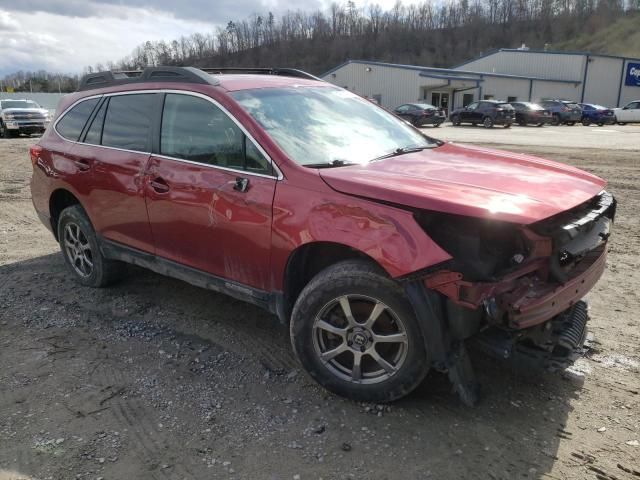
{"type": "Point", "coordinates": [71, 124]}
{"type": "Point", "coordinates": [128, 122]}
{"type": "Point", "coordinates": [195, 129]}
{"type": "Point", "coordinates": [317, 126]}
{"type": "Point", "coordinates": [472, 106]}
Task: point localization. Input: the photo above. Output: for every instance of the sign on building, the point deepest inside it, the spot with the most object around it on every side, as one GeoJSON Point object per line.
{"type": "Point", "coordinates": [633, 75]}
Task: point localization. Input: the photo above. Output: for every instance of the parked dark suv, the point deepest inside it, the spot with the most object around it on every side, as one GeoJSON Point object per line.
{"type": "Point", "coordinates": [383, 249]}
{"type": "Point", "coordinates": [563, 111]}
{"type": "Point", "coordinates": [487, 113]}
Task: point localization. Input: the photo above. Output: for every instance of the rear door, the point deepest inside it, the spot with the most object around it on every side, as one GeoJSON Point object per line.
{"type": "Point", "coordinates": [114, 150]}
{"type": "Point", "coordinates": [209, 192]}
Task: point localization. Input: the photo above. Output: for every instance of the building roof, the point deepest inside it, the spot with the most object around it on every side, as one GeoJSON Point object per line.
{"type": "Point", "coordinates": [548, 52]}
{"type": "Point", "coordinates": [449, 71]}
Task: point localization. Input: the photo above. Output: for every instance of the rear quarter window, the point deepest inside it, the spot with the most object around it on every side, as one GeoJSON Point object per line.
{"type": "Point", "coordinates": [128, 122]}
{"type": "Point", "coordinates": [71, 124]}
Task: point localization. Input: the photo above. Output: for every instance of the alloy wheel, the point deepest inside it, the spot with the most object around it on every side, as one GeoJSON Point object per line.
{"type": "Point", "coordinates": [78, 249]}
{"type": "Point", "coordinates": [360, 339]}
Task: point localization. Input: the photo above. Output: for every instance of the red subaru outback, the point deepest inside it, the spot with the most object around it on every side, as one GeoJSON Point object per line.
{"type": "Point", "coordinates": [387, 252]}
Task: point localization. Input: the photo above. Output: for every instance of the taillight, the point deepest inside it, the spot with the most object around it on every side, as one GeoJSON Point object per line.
{"type": "Point", "coordinates": [35, 151]}
{"type": "Point", "coordinates": [566, 109]}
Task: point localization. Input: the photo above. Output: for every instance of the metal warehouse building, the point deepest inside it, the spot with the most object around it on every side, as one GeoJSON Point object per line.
{"type": "Point", "coordinates": [505, 74]}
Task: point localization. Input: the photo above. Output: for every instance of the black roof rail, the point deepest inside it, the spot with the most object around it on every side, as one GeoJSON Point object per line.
{"type": "Point", "coordinates": [286, 72]}
{"type": "Point", "coordinates": [178, 74]}
{"type": "Point", "coordinates": [149, 74]}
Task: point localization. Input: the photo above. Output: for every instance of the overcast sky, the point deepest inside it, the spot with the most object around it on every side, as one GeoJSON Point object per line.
{"type": "Point", "coordinates": [66, 35]}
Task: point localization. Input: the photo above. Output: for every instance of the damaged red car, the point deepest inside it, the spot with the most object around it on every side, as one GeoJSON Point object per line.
{"type": "Point", "coordinates": [387, 252]}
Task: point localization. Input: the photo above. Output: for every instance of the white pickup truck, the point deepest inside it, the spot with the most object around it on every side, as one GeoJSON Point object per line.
{"type": "Point", "coordinates": [22, 116]}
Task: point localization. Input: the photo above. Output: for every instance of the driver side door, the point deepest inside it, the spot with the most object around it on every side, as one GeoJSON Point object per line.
{"type": "Point", "coordinates": [468, 112]}
{"type": "Point", "coordinates": [209, 193]}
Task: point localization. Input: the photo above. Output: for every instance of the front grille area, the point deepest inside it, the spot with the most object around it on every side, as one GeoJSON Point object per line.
{"type": "Point", "coordinates": [28, 117]}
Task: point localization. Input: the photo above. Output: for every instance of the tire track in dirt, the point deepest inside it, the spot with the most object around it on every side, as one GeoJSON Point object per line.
{"type": "Point", "coordinates": [134, 415]}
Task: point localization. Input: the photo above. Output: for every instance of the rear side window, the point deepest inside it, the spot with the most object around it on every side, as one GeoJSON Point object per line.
{"type": "Point", "coordinates": [128, 122]}
{"type": "Point", "coordinates": [71, 124]}
{"type": "Point", "coordinates": [195, 129]}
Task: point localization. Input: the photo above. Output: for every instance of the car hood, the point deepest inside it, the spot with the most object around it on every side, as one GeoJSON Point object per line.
{"type": "Point", "coordinates": [470, 181]}
{"type": "Point", "coordinates": [25, 110]}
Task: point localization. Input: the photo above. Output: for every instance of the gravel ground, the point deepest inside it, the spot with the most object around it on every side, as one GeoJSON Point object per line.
{"type": "Point", "coordinates": [156, 379]}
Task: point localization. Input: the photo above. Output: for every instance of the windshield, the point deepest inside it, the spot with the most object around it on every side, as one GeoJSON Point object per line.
{"type": "Point", "coordinates": [323, 125]}
{"type": "Point", "coordinates": [19, 104]}
{"type": "Point", "coordinates": [532, 106]}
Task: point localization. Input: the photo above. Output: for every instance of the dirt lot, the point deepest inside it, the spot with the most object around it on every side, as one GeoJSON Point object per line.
{"type": "Point", "coordinates": [156, 379]}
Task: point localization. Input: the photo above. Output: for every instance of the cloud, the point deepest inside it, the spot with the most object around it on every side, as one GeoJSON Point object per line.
{"type": "Point", "coordinates": [67, 35]}
{"type": "Point", "coordinates": [59, 43]}
{"type": "Point", "coordinates": [217, 12]}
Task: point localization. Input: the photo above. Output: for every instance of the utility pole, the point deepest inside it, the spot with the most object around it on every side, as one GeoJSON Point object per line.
{"type": "Point", "coordinates": [30, 86]}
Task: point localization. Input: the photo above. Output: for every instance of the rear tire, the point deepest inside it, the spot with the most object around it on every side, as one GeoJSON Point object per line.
{"type": "Point", "coordinates": [355, 332]}
{"type": "Point", "coordinates": [555, 120]}
{"type": "Point", "coordinates": [507, 125]}
{"type": "Point", "coordinates": [81, 251]}
{"type": "Point", "coordinates": [541, 124]}
{"type": "Point", "coordinates": [571, 124]}
{"type": "Point", "coordinates": [487, 122]}
{"type": "Point", "coordinates": [455, 120]}
{"type": "Point", "coordinates": [586, 122]}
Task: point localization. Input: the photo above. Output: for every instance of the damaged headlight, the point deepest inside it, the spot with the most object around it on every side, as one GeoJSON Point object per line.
{"type": "Point", "coordinates": [481, 248]}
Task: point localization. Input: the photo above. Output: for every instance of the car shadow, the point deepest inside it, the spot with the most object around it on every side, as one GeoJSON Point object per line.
{"type": "Point", "coordinates": [514, 432]}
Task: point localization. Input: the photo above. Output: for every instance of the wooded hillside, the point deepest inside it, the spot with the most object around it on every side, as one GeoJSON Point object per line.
{"type": "Point", "coordinates": [429, 33]}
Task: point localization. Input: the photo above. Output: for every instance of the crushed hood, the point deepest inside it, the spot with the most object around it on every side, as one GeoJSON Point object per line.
{"type": "Point", "coordinates": [470, 181]}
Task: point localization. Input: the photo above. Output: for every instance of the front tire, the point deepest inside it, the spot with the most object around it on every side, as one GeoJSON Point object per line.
{"type": "Point", "coordinates": [355, 332]}
{"type": "Point", "coordinates": [455, 120]}
{"type": "Point", "coordinates": [586, 122]}
{"type": "Point", "coordinates": [81, 251]}
{"type": "Point", "coordinates": [571, 124]}
{"type": "Point", "coordinates": [555, 121]}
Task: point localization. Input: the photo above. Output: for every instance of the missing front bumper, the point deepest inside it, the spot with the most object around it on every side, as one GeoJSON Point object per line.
{"type": "Point", "coordinates": [552, 346]}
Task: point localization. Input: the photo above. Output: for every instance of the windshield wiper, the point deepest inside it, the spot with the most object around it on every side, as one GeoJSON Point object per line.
{"type": "Point", "coordinates": [402, 151]}
{"type": "Point", "coordinates": [333, 163]}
